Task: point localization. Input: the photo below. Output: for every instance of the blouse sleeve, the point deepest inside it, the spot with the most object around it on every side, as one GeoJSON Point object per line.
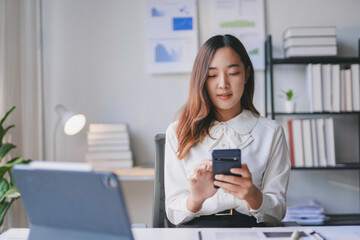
{"type": "Point", "coordinates": [176, 182]}
{"type": "Point", "coordinates": [275, 182]}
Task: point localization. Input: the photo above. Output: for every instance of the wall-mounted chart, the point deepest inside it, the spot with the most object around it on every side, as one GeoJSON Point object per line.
{"type": "Point", "coordinates": [171, 35]}
{"type": "Point", "coordinates": [245, 19]}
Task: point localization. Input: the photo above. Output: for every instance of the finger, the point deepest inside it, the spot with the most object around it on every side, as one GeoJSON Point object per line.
{"type": "Point", "coordinates": [243, 171]}
{"type": "Point", "coordinates": [201, 171]}
{"type": "Point", "coordinates": [198, 169]}
{"type": "Point", "coordinates": [230, 179]}
{"type": "Point", "coordinates": [192, 179]}
{"type": "Point", "coordinates": [208, 165]}
{"type": "Point", "coordinates": [209, 168]}
{"type": "Point", "coordinates": [228, 187]}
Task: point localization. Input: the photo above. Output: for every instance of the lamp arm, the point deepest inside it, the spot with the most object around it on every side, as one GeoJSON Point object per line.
{"type": "Point", "coordinates": [55, 133]}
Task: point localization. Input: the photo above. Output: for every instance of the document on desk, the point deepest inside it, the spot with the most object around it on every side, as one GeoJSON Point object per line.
{"type": "Point", "coordinates": [250, 234]}
{"type": "Point", "coordinates": [228, 234]}
{"type": "Point", "coordinates": [15, 234]}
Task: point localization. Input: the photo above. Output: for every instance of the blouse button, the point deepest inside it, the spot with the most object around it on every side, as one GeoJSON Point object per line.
{"type": "Point", "coordinates": [223, 145]}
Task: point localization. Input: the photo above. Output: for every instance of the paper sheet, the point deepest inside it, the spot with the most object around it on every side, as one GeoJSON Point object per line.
{"type": "Point", "coordinates": [171, 35]}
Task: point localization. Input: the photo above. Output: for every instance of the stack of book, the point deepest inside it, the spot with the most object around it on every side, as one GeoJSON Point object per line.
{"type": "Point", "coordinates": [305, 212]}
{"type": "Point", "coordinates": [109, 146]}
{"type": "Point", "coordinates": [331, 89]}
{"type": "Point", "coordinates": [311, 142]}
{"type": "Point", "coordinates": [310, 41]}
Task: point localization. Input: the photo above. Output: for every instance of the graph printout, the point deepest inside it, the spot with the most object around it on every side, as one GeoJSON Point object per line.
{"type": "Point", "coordinates": [171, 35]}
{"type": "Point", "coordinates": [245, 19]}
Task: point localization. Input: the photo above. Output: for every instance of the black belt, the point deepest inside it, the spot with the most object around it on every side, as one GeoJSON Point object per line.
{"type": "Point", "coordinates": [229, 218]}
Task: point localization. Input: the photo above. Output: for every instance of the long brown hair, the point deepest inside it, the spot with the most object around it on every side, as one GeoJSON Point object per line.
{"type": "Point", "coordinates": [198, 113]}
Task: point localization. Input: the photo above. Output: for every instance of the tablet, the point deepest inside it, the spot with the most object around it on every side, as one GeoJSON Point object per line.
{"type": "Point", "coordinates": [72, 204]}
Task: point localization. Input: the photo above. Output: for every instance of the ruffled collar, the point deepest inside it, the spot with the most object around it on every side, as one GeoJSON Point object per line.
{"type": "Point", "coordinates": [237, 131]}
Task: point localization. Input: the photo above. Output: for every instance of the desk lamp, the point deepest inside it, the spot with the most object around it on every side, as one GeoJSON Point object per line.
{"type": "Point", "coordinates": [72, 123]}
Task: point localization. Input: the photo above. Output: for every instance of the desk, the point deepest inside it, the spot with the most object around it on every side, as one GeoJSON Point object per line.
{"type": "Point", "coordinates": [330, 233]}
{"type": "Point", "coordinates": [132, 174]}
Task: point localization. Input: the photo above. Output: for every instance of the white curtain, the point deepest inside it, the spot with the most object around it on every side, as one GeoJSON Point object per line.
{"type": "Point", "coordinates": [21, 85]}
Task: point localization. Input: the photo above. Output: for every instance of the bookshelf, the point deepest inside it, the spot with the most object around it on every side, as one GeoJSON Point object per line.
{"type": "Point", "coordinates": [270, 63]}
{"type": "Point", "coordinates": [269, 66]}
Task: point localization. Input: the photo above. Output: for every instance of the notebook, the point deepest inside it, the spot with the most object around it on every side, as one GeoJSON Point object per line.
{"type": "Point", "coordinates": [70, 201]}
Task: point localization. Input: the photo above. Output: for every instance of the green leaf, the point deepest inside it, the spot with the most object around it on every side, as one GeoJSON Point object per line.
{"type": "Point", "coordinates": [11, 193]}
{"type": "Point", "coordinates": [15, 159]}
{"type": "Point", "coordinates": [3, 132]}
{"type": "Point", "coordinates": [5, 148]}
{"type": "Point", "coordinates": [6, 115]}
{"type": "Point", "coordinates": [4, 207]}
{"type": "Point", "coordinates": [4, 168]}
{"type": "Point", "coordinates": [4, 187]}
{"type": "Point", "coordinates": [289, 94]}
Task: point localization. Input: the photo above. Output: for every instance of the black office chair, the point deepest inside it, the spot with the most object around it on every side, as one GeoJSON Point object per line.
{"type": "Point", "coordinates": [160, 219]}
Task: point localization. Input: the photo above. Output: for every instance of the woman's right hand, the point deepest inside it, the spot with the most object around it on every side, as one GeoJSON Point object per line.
{"type": "Point", "coordinates": [201, 186]}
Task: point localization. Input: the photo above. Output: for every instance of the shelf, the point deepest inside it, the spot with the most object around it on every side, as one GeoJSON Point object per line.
{"type": "Point", "coordinates": [334, 220]}
{"type": "Point", "coordinates": [316, 113]}
{"type": "Point", "coordinates": [315, 60]}
{"type": "Point", "coordinates": [132, 174]}
{"type": "Point", "coordinates": [337, 167]}
{"type": "Point", "coordinates": [343, 219]}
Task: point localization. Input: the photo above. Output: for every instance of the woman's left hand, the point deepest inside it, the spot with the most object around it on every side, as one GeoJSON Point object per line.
{"type": "Point", "coordinates": [240, 187]}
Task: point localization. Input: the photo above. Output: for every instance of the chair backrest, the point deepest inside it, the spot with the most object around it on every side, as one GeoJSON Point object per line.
{"type": "Point", "coordinates": [160, 219]}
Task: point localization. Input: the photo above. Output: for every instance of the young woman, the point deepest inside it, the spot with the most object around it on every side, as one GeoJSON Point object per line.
{"type": "Point", "coordinates": [219, 114]}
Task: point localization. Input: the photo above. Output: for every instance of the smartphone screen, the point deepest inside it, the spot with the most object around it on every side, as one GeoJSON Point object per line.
{"type": "Point", "coordinates": [225, 159]}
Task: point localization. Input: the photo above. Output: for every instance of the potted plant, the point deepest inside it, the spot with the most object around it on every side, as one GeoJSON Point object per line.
{"type": "Point", "coordinates": [290, 104]}
{"type": "Point", "coordinates": [8, 191]}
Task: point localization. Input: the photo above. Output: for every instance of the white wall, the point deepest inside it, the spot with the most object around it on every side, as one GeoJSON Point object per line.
{"type": "Point", "coordinates": [94, 64]}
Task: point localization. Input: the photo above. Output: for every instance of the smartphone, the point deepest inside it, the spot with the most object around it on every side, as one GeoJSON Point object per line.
{"type": "Point", "coordinates": [225, 159]}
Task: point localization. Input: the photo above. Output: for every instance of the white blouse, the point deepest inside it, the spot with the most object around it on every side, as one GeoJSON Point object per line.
{"type": "Point", "coordinates": [264, 149]}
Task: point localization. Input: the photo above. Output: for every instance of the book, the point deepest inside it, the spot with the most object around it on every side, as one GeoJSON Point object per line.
{"type": "Point", "coordinates": [320, 130]}
{"type": "Point", "coordinates": [291, 143]}
{"type": "Point", "coordinates": [111, 164]}
{"type": "Point", "coordinates": [348, 91]}
{"type": "Point", "coordinates": [126, 155]}
{"type": "Point", "coordinates": [298, 143]}
{"type": "Point", "coordinates": [330, 141]}
{"type": "Point", "coordinates": [309, 31]}
{"type": "Point", "coordinates": [108, 141]}
{"type": "Point", "coordinates": [308, 51]}
{"type": "Point", "coordinates": [107, 135]}
{"type": "Point", "coordinates": [108, 147]}
{"type": "Point", "coordinates": [314, 87]}
{"type": "Point", "coordinates": [355, 81]}
{"type": "Point", "coordinates": [326, 87]}
{"type": "Point", "coordinates": [307, 142]}
{"type": "Point", "coordinates": [317, 87]}
{"type": "Point", "coordinates": [342, 91]}
{"type": "Point", "coordinates": [335, 89]}
{"type": "Point", "coordinates": [309, 41]}
{"type": "Point", "coordinates": [314, 143]}
{"type": "Point", "coordinates": [107, 127]}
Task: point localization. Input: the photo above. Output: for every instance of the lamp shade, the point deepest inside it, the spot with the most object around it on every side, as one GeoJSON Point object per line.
{"type": "Point", "coordinates": [72, 122]}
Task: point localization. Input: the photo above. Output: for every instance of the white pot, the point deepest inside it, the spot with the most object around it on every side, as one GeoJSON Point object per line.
{"type": "Point", "coordinates": [290, 106]}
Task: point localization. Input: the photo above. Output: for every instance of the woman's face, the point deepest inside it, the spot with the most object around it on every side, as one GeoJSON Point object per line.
{"type": "Point", "coordinates": [225, 82]}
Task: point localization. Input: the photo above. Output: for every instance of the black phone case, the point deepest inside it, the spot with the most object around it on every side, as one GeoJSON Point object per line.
{"type": "Point", "coordinates": [225, 159]}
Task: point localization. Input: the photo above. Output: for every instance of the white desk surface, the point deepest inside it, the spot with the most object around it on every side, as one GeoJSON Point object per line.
{"type": "Point", "coordinates": [329, 232]}
{"type": "Point", "coordinates": [136, 173]}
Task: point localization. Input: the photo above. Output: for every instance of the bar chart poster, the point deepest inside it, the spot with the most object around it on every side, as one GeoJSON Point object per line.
{"type": "Point", "coordinates": [245, 19]}
{"type": "Point", "coordinates": [171, 35]}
